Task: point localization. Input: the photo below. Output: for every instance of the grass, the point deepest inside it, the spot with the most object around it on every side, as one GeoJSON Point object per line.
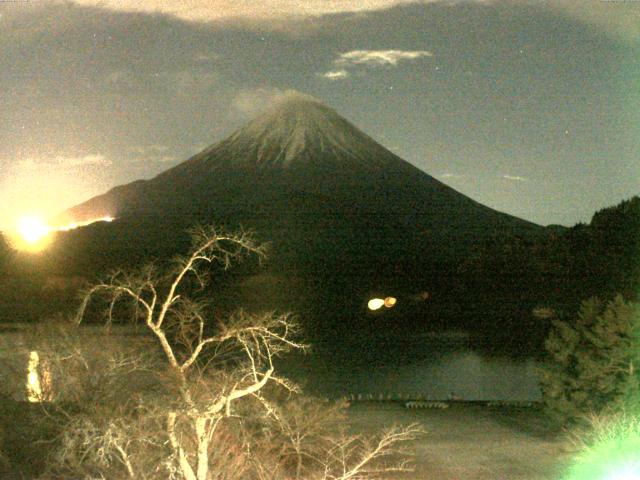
{"type": "Point", "coordinates": [22, 428]}
{"type": "Point", "coordinates": [463, 442]}
{"type": "Point", "coordinates": [474, 442]}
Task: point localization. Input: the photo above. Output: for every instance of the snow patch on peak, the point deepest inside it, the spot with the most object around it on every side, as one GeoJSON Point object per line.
{"type": "Point", "coordinates": [299, 130]}
{"type": "Point", "coordinates": [295, 110]}
{"type": "Point", "coordinates": [300, 126]}
{"type": "Point", "coordinates": [293, 99]}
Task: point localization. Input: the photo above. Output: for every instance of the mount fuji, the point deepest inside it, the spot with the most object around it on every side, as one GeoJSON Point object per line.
{"type": "Point", "coordinates": [326, 195]}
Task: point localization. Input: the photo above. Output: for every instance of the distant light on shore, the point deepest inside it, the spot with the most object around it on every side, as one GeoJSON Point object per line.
{"type": "Point", "coordinates": [375, 303]}
{"type": "Point", "coordinates": [378, 303]}
{"type": "Point", "coordinates": [34, 390]}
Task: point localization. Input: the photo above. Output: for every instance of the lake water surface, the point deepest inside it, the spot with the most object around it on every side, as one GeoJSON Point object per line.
{"type": "Point", "coordinates": [437, 366]}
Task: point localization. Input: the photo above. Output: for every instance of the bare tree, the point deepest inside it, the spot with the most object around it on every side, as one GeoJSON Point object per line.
{"type": "Point", "coordinates": [356, 457]}
{"type": "Point", "coordinates": [211, 401]}
{"type": "Point", "coordinates": [170, 315]}
{"type": "Point", "coordinates": [323, 450]}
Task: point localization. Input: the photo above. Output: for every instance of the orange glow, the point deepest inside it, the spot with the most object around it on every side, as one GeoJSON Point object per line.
{"type": "Point", "coordinates": [75, 225]}
{"type": "Point", "coordinates": [378, 303]}
{"type": "Point", "coordinates": [32, 233]}
{"type": "Point", "coordinates": [390, 302]}
{"type": "Point", "coordinates": [32, 229]}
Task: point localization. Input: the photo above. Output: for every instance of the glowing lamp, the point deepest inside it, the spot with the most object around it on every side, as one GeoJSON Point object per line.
{"type": "Point", "coordinates": [390, 301]}
{"type": "Point", "coordinates": [375, 304]}
{"type": "Point", "coordinates": [34, 390]}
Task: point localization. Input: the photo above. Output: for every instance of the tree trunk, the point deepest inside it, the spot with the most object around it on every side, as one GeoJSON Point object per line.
{"type": "Point", "coordinates": [203, 448]}
{"type": "Point", "coordinates": [185, 467]}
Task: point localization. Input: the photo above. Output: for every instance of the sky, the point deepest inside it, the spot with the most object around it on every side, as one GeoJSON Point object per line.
{"type": "Point", "coordinates": [531, 108]}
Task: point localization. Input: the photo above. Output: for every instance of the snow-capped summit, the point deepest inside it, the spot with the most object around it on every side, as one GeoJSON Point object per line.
{"type": "Point", "coordinates": [299, 129]}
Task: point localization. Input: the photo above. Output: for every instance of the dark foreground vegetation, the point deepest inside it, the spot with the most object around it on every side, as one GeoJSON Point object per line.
{"type": "Point", "coordinates": [200, 399]}
{"type": "Point", "coordinates": [501, 442]}
{"type": "Point", "coordinates": [185, 399]}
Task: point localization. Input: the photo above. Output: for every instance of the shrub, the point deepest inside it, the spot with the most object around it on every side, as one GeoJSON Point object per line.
{"type": "Point", "coordinates": [609, 447]}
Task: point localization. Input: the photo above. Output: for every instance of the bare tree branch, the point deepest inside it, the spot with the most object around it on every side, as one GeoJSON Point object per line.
{"type": "Point", "coordinates": [178, 425]}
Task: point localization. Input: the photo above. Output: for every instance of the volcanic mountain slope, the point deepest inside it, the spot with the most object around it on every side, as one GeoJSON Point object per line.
{"type": "Point", "coordinates": [315, 185]}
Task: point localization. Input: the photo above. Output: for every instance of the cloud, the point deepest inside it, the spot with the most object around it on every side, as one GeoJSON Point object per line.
{"type": "Point", "coordinates": [155, 158]}
{"type": "Point", "coordinates": [198, 147]}
{"type": "Point", "coordinates": [375, 58]}
{"type": "Point", "coordinates": [118, 77]}
{"type": "Point", "coordinates": [249, 102]}
{"type": "Point", "coordinates": [152, 153]}
{"type": "Point", "coordinates": [515, 178]}
{"type": "Point", "coordinates": [167, 158]}
{"type": "Point", "coordinates": [212, 10]}
{"type": "Point", "coordinates": [154, 149]}
{"type": "Point", "coordinates": [335, 74]}
{"type": "Point", "coordinates": [181, 82]}
{"type": "Point", "coordinates": [185, 80]}
{"type": "Point", "coordinates": [206, 57]}
{"type": "Point", "coordinates": [614, 17]}
{"type": "Point", "coordinates": [379, 57]}
{"type": "Point", "coordinates": [618, 18]}
{"type": "Point", "coordinates": [61, 161]}
{"type": "Point", "coordinates": [82, 161]}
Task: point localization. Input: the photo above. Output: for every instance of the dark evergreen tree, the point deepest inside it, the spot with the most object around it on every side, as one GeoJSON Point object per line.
{"type": "Point", "coordinates": [593, 360]}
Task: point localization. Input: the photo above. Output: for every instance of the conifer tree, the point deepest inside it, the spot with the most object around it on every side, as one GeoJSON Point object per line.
{"type": "Point", "coordinates": [593, 360]}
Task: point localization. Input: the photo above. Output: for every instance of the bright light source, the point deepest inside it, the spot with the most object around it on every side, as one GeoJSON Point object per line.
{"type": "Point", "coordinates": [34, 390]}
{"type": "Point", "coordinates": [390, 301]}
{"type": "Point", "coordinates": [39, 386]}
{"type": "Point", "coordinates": [375, 303]}
{"type": "Point", "coordinates": [32, 229]}
{"type": "Point", "coordinates": [615, 455]}
{"type": "Point", "coordinates": [74, 225]}
{"type": "Point", "coordinates": [33, 234]}
{"type": "Point", "coordinates": [628, 472]}
{"type": "Point", "coordinates": [378, 303]}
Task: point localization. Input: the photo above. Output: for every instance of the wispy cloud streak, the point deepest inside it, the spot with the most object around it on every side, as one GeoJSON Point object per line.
{"type": "Point", "coordinates": [515, 178]}
{"type": "Point", "coordinates": [379, 57]}
{"type": "Point", "coordinates": [372, 58]}
{"type": "Point", "coordinates": [335, 74]}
